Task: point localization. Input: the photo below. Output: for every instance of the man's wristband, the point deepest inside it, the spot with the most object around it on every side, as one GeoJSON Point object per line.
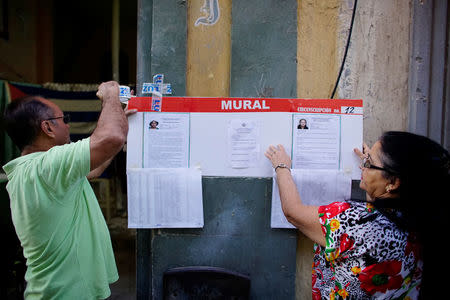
{"type": "Point", "coordinates": [282, 165]}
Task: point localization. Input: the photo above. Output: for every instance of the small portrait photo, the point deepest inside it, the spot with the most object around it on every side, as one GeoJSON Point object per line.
{"type": "Point", "coordinates": [153, 124]}
{"type": "Point", "coordinates": [302, 124]}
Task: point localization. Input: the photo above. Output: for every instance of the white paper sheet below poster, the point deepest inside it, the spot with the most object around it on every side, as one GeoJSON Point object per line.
{"type": "Point", "coordinates": [165, 198]}
{"type": "Point", "coordinates": [316, 187]}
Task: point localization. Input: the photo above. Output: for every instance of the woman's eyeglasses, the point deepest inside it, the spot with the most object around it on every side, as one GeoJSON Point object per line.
{"type": "Point", "coordinates": [365, 163]}
{"type": "Point", "coordinates": [66, 118]}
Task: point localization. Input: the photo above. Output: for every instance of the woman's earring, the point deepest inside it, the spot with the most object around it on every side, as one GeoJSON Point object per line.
{"type": "Point", "coordinates": [389, 188]}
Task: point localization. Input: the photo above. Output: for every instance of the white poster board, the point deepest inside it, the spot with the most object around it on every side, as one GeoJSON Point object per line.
{"type": "Point", "coordinates": [228, 136]}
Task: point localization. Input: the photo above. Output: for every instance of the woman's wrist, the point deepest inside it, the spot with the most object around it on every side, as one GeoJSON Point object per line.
{"type": "Point", "coordinates": [282, 166]}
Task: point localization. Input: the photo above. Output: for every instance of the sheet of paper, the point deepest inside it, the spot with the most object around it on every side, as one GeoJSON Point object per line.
{"type": "Point", "coordinates": [316, 141]}
{"type": "Point", "coordinates": [166, 140]}
{"type": "Point", "coordinates": [165, 198]}
{"type": "Point", "coordinates": [243, 143]}
{"type": "Point", "coordinates": [351, 137]}
{"type": "Point", "coordinates": [316, 187]}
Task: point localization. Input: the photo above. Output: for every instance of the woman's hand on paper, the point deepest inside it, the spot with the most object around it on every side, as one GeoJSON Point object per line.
{"type": "Point", "coordinates": [277, 155]}
{"type": "Point", "coordinates": [363, 153]}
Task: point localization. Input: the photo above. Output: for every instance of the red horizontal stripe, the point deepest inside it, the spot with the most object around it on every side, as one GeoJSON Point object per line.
{"type": "Point", "coordinates": [219, 104]}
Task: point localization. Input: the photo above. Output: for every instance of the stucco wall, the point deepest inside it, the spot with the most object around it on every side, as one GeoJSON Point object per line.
{"type": "Point", "coordinates": [377, 65]}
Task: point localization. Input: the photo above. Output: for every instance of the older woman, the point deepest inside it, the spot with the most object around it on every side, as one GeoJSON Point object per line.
{"type": "Point", "coordinates": [381, 248]}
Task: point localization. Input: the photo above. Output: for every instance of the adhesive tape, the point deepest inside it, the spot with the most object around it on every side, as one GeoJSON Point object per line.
{"type": "Point", "coordinates": [124, 93]}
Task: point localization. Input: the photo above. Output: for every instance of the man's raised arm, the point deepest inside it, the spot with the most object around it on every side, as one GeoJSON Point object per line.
{"type": "Point", "coordinates": [110, 134]}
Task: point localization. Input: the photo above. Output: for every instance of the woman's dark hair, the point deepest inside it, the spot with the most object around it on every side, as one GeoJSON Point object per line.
{"type": "Point", "coordinates": [22, 119]}
{"type": "Point", "coordinates": [422, 166]}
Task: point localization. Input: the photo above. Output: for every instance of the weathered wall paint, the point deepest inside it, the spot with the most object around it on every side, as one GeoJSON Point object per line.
{"type": "Point", "coordinates": [378, 62]}
{"type": "Point", "coordinates": [264, 49]}
{"type": "Point", "coordinates": [316, 48]}
{"type": "Point", "coordinates": [303, 283]}
{"type": "Point", "coordinates": [317, 69]}
{"type": "Point", "coordinates": [208, 48]}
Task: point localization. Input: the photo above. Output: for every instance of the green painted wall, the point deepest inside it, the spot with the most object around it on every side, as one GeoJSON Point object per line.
{"type": "Point", "coordinates": [237, 234]}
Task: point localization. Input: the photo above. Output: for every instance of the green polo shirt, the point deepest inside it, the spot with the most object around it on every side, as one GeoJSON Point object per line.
{"type": "Point", "coordinates": [60, 225]}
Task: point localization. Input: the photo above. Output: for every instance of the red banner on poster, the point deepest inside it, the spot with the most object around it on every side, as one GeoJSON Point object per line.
{"type": "Point", "coordinates": [233, 105]}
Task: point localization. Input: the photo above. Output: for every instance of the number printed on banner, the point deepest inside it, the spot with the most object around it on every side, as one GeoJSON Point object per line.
{"type": "Point", "coordinates": [354, 110]}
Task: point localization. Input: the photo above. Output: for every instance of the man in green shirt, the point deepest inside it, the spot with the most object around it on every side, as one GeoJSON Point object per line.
{"type": "Point", "coordinates": [55, 213]}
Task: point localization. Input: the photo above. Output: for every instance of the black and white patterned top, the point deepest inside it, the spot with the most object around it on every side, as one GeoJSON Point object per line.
{"type": "Point", "coordinates": [366, 255]}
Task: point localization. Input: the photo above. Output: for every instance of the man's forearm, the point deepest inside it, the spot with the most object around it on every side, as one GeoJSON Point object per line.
{"type": "Point", "coordinates": [112, 126]}
{"type": "Point", "coordinates": [112, 120]}
{"type": "Point", "coordinates": [99, 170]}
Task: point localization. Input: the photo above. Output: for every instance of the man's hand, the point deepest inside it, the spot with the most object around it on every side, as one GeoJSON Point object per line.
{"type": "Point", "coordinates": [108, 90]}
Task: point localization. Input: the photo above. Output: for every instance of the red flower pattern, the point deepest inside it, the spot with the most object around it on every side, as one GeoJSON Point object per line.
{"type": "Point", "coordinates": [346, 243]}
{"type": "Point", "coordinates": [316, 295]}
{"type": "Point", "coordinates": [332, 210]}
{"type": "Point", "coordinates": [381, 277]}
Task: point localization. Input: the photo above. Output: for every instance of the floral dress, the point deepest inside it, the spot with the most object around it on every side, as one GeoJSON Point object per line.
{"type": "Point", "coordinates": [366, 256]}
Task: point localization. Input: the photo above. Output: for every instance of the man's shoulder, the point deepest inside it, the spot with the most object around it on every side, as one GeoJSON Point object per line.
{"type": "Point", "coordinates": [46, 158]}
{"type": "Point", "coordinates": [70, 146]}
{"type": "Point", "coordinates": [20, 161]}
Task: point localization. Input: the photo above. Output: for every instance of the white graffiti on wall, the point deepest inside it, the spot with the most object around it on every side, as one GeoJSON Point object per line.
{"type": "Point", "coordinates": [211, 13]}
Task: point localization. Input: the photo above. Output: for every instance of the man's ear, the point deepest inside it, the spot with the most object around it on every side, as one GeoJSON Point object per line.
{"type": "Point", "coordinates": [47, 129]}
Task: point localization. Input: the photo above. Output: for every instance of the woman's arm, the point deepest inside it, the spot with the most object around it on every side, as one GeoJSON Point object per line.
{"type": "Point", "coordinates": [304, 217]}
